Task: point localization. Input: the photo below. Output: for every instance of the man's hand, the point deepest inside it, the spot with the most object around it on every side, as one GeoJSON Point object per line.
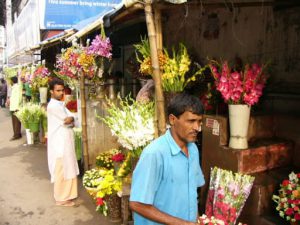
{"type": "Point", "coordinates": [69, 120]}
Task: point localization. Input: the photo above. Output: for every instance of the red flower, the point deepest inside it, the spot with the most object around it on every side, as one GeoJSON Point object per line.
{"type": "Point", "coordinates": [285, 183]}
{"type": "Point", "coordinates": [298, 175]}
{"type": "Point", "coordinates": [72, 105]}
{"type": "Point", "coordinates": [99, 201]}
{"type": "Point", "coordinates": [119, 157]}
{"type": "Point", "coordinates": [289, 211]}
{"type": "Point", "coordinates": [297, 216]}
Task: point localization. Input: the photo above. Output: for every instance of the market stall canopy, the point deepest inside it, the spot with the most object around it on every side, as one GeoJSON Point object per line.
{"type": "Point", "coordinates": [104, 17]}
{"type": "Point", "coordinates": [54, 39]}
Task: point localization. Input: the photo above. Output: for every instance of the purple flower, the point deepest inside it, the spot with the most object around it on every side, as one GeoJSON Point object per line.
{"type": "Point", "coordinates": [100, 47]}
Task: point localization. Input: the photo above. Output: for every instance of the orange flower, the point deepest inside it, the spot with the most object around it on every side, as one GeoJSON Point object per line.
{"type": "Point", "coordinates": [295, 193]}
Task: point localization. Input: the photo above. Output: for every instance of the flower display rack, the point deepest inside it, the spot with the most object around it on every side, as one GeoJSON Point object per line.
{"type": "Point", "coordinates": [268, 158]}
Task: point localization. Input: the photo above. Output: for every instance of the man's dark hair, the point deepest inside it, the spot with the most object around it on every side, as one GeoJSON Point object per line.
{"type": "Point", "coordinates": [14, 80]}
{"type": "Point", "coordinates": [54, 82]}
{"type": "Point", "coordinates": [183, 102]}
{"type": "Point", "coordinates": [2, 81]}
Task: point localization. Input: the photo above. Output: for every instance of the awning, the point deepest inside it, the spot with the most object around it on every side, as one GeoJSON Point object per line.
{"type": "Point", "coordinates": [53, 40]}
{"type": "Point", "coordinates": [104, 18]}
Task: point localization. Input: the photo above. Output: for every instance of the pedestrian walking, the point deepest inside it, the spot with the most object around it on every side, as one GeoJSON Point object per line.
{"type": "Point", "coordinates": [62, 160]}
{"type": "Point", "coordinates": [168, 173]}
{"type": "Point", "coordinates": [14, 102]}
{"type": "Point", "coordinates": [3, 92]}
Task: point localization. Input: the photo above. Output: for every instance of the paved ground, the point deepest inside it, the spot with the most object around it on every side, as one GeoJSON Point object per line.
{"type": "Point", "coordinates": [25, 188]}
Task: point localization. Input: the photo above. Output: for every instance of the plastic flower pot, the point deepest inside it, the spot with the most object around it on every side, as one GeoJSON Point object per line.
{"type": "Point", "coordinates": [29, 137]}
{"type": "Point", "coordinates": [43, 94]}
{"type": "Point", "coordinates": [239, 121]}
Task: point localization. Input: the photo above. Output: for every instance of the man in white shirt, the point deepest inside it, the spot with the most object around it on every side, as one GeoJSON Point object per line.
{"type": "Point", "coordinates": [62, 160]}
{"type": "Point", "coordinates": [14, 102]}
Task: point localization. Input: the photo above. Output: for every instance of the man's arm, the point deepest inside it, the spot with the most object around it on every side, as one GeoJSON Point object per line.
{"type": "Point", "coordinates": [152, 213]}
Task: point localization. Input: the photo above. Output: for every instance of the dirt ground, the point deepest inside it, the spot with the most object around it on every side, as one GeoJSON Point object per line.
{"type": "Point", "coordinates": [26, 194]}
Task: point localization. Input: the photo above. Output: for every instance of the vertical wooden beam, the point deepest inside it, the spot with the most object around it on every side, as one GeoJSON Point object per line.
{"type": "Point", "coordinates": [159, 97]}
{"type": "Point", "coordinates": [83, 122]}
{"type": "Point", "coordinates": [158, 26]}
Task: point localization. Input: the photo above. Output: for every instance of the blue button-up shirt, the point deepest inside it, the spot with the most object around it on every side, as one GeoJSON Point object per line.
{"type": "Point", "coordinates": [167, 179]}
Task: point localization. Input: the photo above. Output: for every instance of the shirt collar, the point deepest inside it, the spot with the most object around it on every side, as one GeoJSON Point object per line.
{"type": "Point", "coordinates": [175, 149]}
{"type": "Point", "coordinates": [57, 101]}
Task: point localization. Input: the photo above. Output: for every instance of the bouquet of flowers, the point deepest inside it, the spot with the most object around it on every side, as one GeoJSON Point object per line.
{"type": "Point", "coordinates": [26, 73]}
{"type": "Point", "coordinates": [30, 113]}
{"type": "Point", "coordinates": [40, 77]}
{"type": "Point", "coordinates": [75, 60]}
{"type": "Point", "coordinates": [203, 220]}
{"type": "Point", "coordinates": [177, 72]}
{"type": "Point", "coordinates": [288, 200]}
{"type": "Point", "coordinates": [93, 177]}
{"type": "Point", "coordinates": [227, 195]}
{"type": "Point", "coordinates": [175, 69]}
{"type": "Point", "coordinates": [132, 122]}
{"type": "Point", "coordinates": [87, 60]}
{"type": "Point", "coordinates": [10, 72]}
{"type": "Point", "coordinates": [143, 57]}
{"type": "Point", "coordinates": [239, 86]}
{"type": "Point", "coordinates": [108, 186]}
{"type": "Point", "coordinates": [72, 106]}
{"type": "Point", "coordinates": [104, 160]}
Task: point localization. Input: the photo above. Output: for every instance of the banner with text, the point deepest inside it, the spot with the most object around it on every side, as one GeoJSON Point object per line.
{"type": "Point", "coordinates": [63, 14]}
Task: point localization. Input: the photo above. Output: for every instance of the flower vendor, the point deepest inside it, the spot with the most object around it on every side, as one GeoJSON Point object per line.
{"type": "Point", "coordinates": [168, 173]}
{"type": "Point", "coordinates": [62, 160]}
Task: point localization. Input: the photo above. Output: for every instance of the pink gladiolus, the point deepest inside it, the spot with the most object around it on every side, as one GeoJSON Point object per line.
{"type": "Point", "coordinates": [239, 87]}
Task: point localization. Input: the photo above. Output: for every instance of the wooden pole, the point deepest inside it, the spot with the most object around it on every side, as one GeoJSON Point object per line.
{"type": "Point", "coordinates": [83, 122]}
{"type": "Point", "coordinates": [158, 26]}
{"type": "Point", "coordinates": [159, 97]}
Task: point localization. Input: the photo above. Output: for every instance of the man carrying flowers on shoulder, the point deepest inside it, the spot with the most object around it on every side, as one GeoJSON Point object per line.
{"type": "Point", "coordinates": [166, 178]}
{"type": "Point", "coordinates": [62, 160]}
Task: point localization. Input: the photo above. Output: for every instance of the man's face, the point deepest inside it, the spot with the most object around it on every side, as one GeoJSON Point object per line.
{"type": "Point", "coordinates": [185, 127]}
{"type": "Point", "coordinates": [57, 92]}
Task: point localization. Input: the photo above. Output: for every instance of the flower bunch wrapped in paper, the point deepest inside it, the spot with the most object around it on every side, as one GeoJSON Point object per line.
{"type": "Point", "coordinates": [227, 195]}
{"type": "Point", "coordinates": [205, 220]}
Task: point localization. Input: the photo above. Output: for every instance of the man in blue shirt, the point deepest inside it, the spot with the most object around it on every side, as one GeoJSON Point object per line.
{"type": "Point", "coordinates": [166, 178]}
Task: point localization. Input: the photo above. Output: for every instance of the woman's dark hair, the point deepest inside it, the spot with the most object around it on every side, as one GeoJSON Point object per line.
{"type": "Point", "coordinates": [183, 102]}
{"type": "Point", "coordinates": [54, 82]}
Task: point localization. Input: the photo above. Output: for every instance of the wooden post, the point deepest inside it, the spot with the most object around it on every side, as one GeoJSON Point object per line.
{"type": "Point", "coordinates": [83, 122]}
{"type": "Point", "coordinates": [159, 97]}
{"type": "Point", "coordinates": [159, 36]}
